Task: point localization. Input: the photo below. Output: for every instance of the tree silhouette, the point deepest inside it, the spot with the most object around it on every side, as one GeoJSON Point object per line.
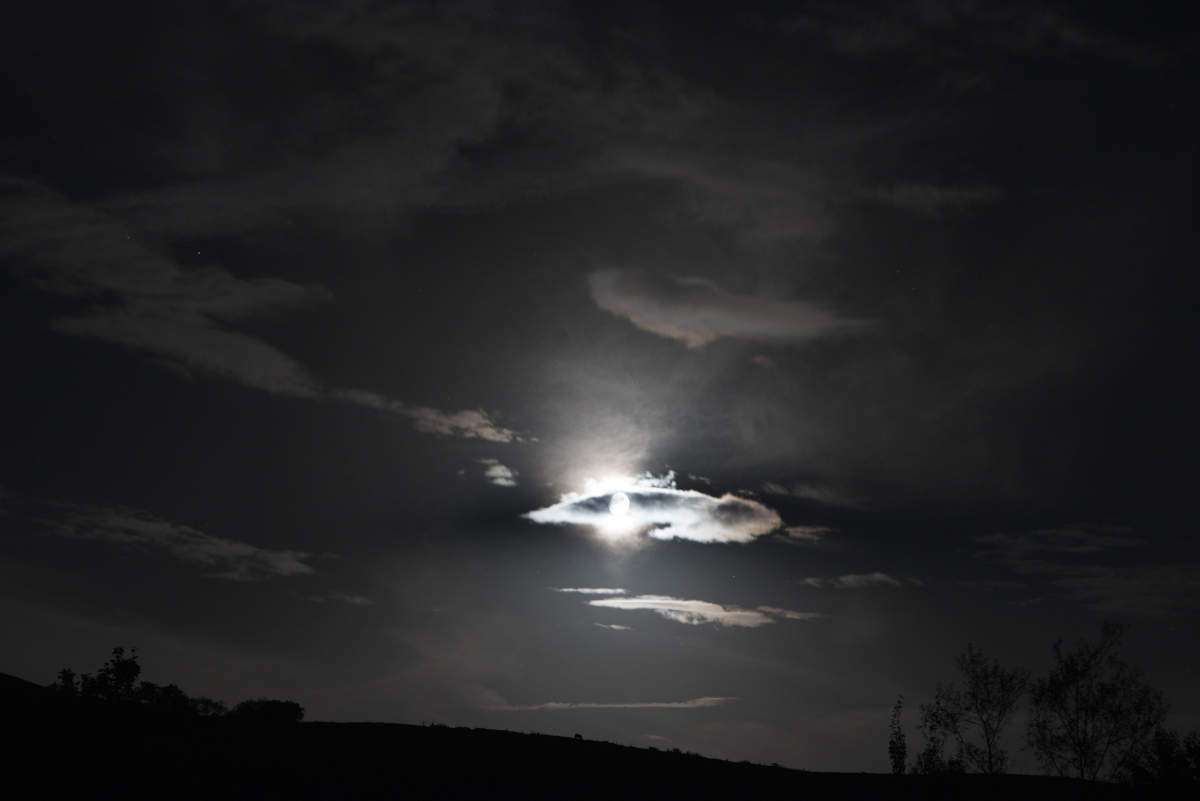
{"type": "Point", "coordinates": [1093, 715]}
{"type": "Point", "coordinates": [897, 746]}
{"type": "Point", "coordinates": [975, 714]}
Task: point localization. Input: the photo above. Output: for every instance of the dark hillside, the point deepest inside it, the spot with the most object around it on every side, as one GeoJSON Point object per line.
{"type": "Point", "coordinates": [61, 748]}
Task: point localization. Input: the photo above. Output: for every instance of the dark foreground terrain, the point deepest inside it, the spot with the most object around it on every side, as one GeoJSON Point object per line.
{"type": "Point", "coordinates": [56, 748]}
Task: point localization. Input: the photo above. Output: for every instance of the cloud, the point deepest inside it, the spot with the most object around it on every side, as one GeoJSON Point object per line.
{"type": "Point", "coordinates": [467, 423]}
{"type": "Point", "coordinates": [614, 626]}
{"type": "Point", "coordinates": [139, 296]}
{"type": "Point", "coordinates": [559, 706]}
{"type": "Point", "coordinates": [805, 534]}
{"type": "Point", "coordinates": [696, 311]}
{"type": "Point", "coordinates": [931, 200]}
{"type": "Point", "coordinates": [762, 201]}
{"type": "Point", "coordinates": [341, 597]}
{"type": "Point", "coordinates": [696, 613]}
{"type": "Point", "coordinates": [809, 491]}
{"type": "Point", "coordinates": [790, 614]}
{"type": "Point", "coordinates": [499, 474]}
{"type": "Point", "coordinates": [591, 590]}
{"type": "Point", "coordinates": [855, 581]}
{"type": "Point", "coordinates": [959, 36]}
{"type": "Point", "coordinates": [229, 559]}
{"type": "Point", "coordinates": [1070, 540]}
{"type": "Point", "coordinates": [662, 510]}
{"type": "Point", "coordinates": [1101, 567]}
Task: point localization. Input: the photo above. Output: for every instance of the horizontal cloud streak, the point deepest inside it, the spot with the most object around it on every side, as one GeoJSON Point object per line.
{"type": "Point", "coordinates": [140, 297]}
{"type": "Point", "coordinates": [664, 511]}
{"type": "Point", "coordinates": [591, 590]}
{"type": "Point", "coordinates": [230, 559]}
{"type": "Point", "coordinates": [931, 200]}
{"type": "Point", "coordinates": [696, 613]}
{"type": "Point", "coordinates": [696, 311]}
{"type": "Point", "coordinates": [498, 474]}
{"type": "Point", "coordinates": [854, 581]}
{"type": "Point", "coordinates": [558, 706]}
{"type": "Point", "coordinates": [790, 614]}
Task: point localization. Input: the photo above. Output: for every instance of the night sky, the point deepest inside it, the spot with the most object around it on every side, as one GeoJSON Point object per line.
{"type": "Point", "coordinates": [678, 376]}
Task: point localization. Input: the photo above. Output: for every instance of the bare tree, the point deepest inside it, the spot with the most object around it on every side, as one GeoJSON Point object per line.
{"type": "Point", "coordinates": [976, 714]}
{"type": "Point", "coordinates": [1093, 715]}
{"type": "Point", "coordinates": [897, 745]}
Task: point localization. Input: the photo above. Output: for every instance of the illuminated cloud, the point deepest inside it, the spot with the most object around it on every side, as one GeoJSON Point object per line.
{"type": "Point", "coordinates": [805, 534]}
{"type": "Point", "coordinates": [229, 559]}
{"type": "Point", "coordinates": [696, 613]}
{"type": "Point", "coordinates": [658, 507]}
{"type": "Point", "coordinates": [808, 491]}
{"type": "Point", "coordinates": [591, 590]}
{"type": "Point", "coordinates": [855, 581]}
{"type": "Point", "coordinates": [498, 474]}
{"type": "Point", "coordinates": [467, 423]}
{"type": "Point", "coordinates": [696, 311]}
{"type": "Point", "coordinates": [558, 706]}
{"type": "Point", "coordinates": [790, 614]}
{"type": "Point", "coordinates": [615, 627]}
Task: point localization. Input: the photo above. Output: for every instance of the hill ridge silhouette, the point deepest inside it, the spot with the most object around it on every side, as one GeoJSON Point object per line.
{"type": "Point", "coordinates": [87, 751]}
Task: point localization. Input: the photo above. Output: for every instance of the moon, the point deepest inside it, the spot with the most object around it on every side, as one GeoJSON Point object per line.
{"type": "Point", "coordinates": [619, 504]}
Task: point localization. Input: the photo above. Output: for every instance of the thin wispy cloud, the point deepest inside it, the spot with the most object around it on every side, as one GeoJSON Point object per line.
{"type": "Point", "coordinates": [931, 200]}
{"type": "Point", "coordinates": [705, 702]}
{"type": "Point", "coordinates": [498, 474]}
{"type": "Point", "coordinates": [811, 491]}
{"type": "Point", "coordinates": [621, 507]}
{"type": "Point", "coordinates": [1105, 568]}
{"type": "Point", "coordinates": [805, 535]}
{"type": "Point", "coordinates": [614, 627]}
{"type": "Point", "coordinates": [591, 590]}
{"type": "Point", "coordinates": [695, 311]}
{"type": "Point", "coordinates": [855, 581]}
{"type": "Point", "coordinates": [140, 297]}
{"type": "Point", "coordinates": [790, 614]}
{"type": "Point", "coordinates": [224, 558]}
{"type": "Point", "coordinates": [696, 613]}
{"type": "Point", "coordinates": [342, 598]}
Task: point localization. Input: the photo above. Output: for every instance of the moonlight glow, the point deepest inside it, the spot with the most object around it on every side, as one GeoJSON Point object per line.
{"type": "Point", "coordinates": [621, 507]}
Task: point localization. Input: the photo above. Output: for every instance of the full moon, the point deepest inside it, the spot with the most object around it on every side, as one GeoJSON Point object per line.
{"type": "Point", "coordinates": [619, 504]}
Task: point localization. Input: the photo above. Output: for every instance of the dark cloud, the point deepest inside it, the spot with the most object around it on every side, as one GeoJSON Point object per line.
{"type": "Point", "coordinates": [857, 581]}
{"type": "Point", "coordinates": [932, 200]}
{"type": "Point", "coordinates": [226, 558]}
{"type": "Point", "coordinates": [696, 311]}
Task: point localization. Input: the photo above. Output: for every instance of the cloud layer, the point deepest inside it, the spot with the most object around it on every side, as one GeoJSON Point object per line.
{"type": "Point", "coordinates": [228, 559]}
{"type": "Point", "coordinates": [696, 613]}
{"type": "Point", "coordinates": [856, 581]}
{"type": "Point", "coordinates": [498, 474]}
{"type": "Point", "coordinates": [696, 311]}
{"type": "Point", "coordinates": [559, 706]}
{"type": "Point", "coordinates": [665, 512]}
{"type": "Point", "coordinates": [140, 297]}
